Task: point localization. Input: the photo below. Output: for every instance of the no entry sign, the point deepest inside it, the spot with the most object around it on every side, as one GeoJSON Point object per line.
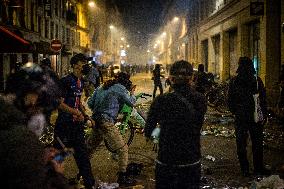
{"type": "Point", "coordinates": [56, 45]}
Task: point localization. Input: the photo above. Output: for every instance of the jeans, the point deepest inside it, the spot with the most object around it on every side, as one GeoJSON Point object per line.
{"type": "Point", "coordinates": [107, 131]}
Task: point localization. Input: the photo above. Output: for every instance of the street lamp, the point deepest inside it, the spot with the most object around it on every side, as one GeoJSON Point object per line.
{"type": "Point", "coordinates": [176, 19]}
{"type": "Point", "coordinates": [91, 4]}
{"type": "Point", "coordinates": [111, 27]}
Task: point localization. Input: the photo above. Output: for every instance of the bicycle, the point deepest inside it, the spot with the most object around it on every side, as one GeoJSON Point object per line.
{"type": "Point", "coordinates": [217, 97]}
{"type": "Point", "coordinates": [129, 121]}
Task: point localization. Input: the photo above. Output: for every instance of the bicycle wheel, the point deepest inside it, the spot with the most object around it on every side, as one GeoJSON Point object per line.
{"type": "Point", "coordinates": [127, 137]}
{"type": "Point", "coordinates": [211, 99]}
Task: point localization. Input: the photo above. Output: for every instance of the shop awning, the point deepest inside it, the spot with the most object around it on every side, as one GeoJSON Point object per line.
{"type": "Point", "coordinates": [13, 43]}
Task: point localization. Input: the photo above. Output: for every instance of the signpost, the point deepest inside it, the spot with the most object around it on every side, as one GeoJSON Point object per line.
{"type": "Point", "coordinates": [56, 46]}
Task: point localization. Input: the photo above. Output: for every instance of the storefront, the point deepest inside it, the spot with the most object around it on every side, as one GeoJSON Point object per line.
{"type": "Point", "coordinates": [14, 50]}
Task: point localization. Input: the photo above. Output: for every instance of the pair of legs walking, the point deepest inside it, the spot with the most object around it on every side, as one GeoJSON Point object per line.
{"type": "Point", "coordinates": [107, 131]}
{"type": "Point", "coordinates": [157, 85]}
{"type": "Point", "coordinates": [255, 131]}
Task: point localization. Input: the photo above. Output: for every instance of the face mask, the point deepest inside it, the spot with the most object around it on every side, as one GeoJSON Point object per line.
{"type": "Point", "coordinates": [37, 123]}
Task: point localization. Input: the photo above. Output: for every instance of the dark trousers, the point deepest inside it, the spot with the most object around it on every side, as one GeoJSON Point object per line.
{"type": "Point", "coordinates": [156, 85]}
{"type": "Point", "coordinates": [72, 135]}
{"type": "Point", "coordinates": [177, 178]}
{"type": "Point", "coordinates": [255, 130]}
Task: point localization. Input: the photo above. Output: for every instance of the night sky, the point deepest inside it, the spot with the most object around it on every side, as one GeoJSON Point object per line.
{"type": "Point", "coordinates": [141, 17]}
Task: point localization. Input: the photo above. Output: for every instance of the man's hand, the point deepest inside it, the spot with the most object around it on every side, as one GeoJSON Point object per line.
{"type": "Point", "coordinates": [90, 122]}
{"type": "Point", "coordinates": [78, 116]}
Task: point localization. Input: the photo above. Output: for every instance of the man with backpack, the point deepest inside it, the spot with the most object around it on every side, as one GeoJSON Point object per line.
{"type": "Point", "coordinates": [178, 162]}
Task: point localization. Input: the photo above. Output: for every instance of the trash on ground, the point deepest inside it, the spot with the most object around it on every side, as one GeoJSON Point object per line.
{"type": "Point", "coordinates": [217, 130]}
{"type": "Point", "coordinates": [210, 158]}
{"type": "Point", "coordinates": [271, 182]}
{"type": "Point", "coordinates": [105, 185]}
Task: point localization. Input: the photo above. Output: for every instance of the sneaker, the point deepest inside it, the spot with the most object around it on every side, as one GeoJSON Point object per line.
{"type": "Point", "coordinates": [125, 180]}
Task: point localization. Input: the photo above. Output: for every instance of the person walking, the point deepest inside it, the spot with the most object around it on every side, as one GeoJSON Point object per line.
{"type": "Point", "coordinates": [69, 124]}
{"type": "Point", "coordinates": [106, 102]}
{"type": "Point", "coordinates": [157, 79]}
{"type": "Point", "coordinates": [241, 103]}
{"type": "Point", "coordinates": [178, 162]}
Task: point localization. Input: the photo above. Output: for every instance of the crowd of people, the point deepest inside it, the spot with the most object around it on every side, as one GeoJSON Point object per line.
{"type": "Point", "coordinates": [34, 91]}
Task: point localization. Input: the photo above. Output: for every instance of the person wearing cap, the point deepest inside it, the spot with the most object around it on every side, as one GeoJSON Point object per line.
{"type": "Point", "coordinates": [106, 102]}
{"type": "Point", "coordinates": [178, 162]}
{"type": "Point", "coordinates": [71, 115]}
{"type": "Point", "coordinates": [241, 104]}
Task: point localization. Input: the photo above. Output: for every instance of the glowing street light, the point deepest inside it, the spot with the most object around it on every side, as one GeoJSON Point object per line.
{"type": "Point", "coordinates": [148, 50]}
{"type": "Point", "coordinates": [176, 19]}
{"type": "Point", "coordinates": [91, 4]}
{"type": "Point", "coordinates": [111, 27]}
{"type": "Point", "coordinates": [164, 34]}
{"type": "Point", "coordinates": [127, 46]}
{"type": "Point", "coordinates": [122, 38]}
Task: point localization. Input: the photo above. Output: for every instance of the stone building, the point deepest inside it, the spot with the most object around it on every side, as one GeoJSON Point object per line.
{"type": "Point", "coordinates": [38, 22]}
{"type": "Point", "coordinates": [220, 31]}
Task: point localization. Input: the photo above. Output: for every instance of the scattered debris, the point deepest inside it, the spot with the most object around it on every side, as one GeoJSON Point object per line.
{"type": "Point", "coordinates": [105, 185]}
{"type": "Point", "coordinates": [210, 158]}
{"type": "Point", "coordinates": [217, 130]}
{"type": "Point", "coordinates": [271, 182]}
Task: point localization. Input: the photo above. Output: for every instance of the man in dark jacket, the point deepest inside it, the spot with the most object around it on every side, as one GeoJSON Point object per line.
{"type": "Point", "coordinates": [178, 162]}
{"type": "Point", "coordinates": [241, 104]}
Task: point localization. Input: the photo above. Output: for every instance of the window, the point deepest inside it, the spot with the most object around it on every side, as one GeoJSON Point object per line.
{"type": "Point", "coordinates": [46, 26]}
{"type": "Point", "coordinates": [56, 31]}
{"type": "Point", "coordinates": [68, 35]}
{"type": "Point", "coordinates": [63, 34]}
{"type": "Point", "coordinates": [39, 25]}
{"type": "Point", "coordinates": [51, 30]}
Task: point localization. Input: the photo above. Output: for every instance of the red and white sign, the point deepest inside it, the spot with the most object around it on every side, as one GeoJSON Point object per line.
{"type": "Point", "coordinates": [56, 45]}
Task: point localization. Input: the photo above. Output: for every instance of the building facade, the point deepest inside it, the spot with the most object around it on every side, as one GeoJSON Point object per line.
{"type": "Point", "coordinates": [220, 31]}
{"type": "Point", "coordinates": [39, 22]}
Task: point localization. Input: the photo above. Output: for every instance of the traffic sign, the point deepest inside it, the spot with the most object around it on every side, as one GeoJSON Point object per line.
{"type": "Point", "coordinates": [56, 45]}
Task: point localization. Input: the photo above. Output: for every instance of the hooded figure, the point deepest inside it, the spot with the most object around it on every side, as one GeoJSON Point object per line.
{"type": "Point", "coordinates": [241, 104]}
